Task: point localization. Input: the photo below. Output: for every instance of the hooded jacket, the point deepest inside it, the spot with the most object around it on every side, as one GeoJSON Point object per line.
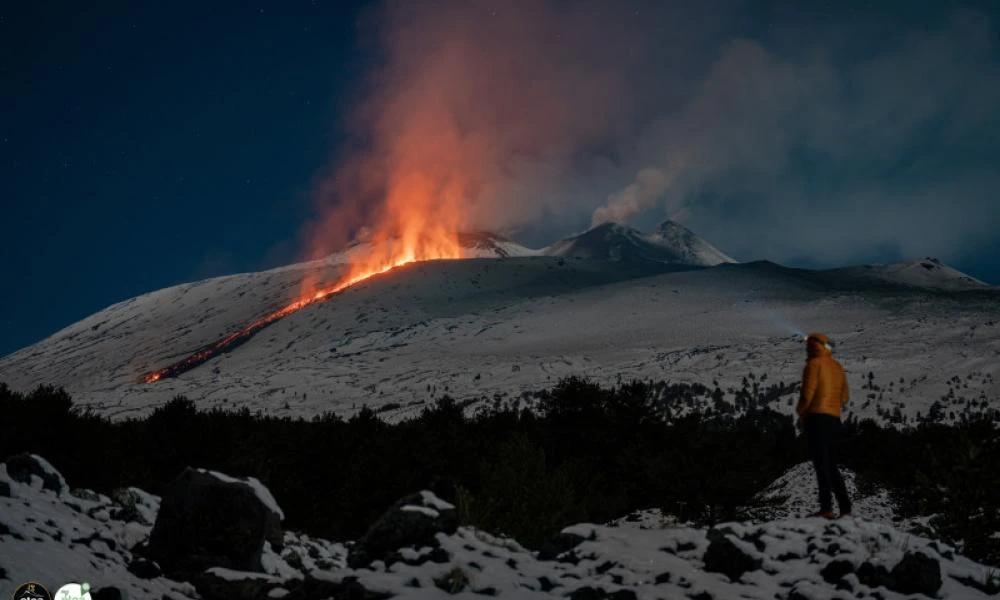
{"type": "Point", "coordinates": [824, 385]}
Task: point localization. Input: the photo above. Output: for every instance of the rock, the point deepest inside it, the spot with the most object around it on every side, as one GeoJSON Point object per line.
{"type": "Point", "coordinates": [943, 550]}
{"type": "Point", "coordinates": [604, 567]}
{"type": "Point", "coordinates": [95, 537]}
{"type": "Point", "coordinates": [144, 569]}
{"type": "Point", "coordinates": [589, 593]}
{"type": "Point", "coordinates": [109, 593]}
{"type": "Point", "coordinates": [5, 490]}
{"type": "Point", "coordinates": [83, 494]}
{"type": "Point", "coordinates": [835, 570]}
{"type": "Point", "coordinates": [317, 589]}
{"type": "Point", "coordinates": [721, 531]}
{"type": "Point", "coordinates": [875, 576]}
{"type": "Point", "coordinates": [726, 557]}
{"type": "Point", "coordinates": [917, 573]}
{"type": "Point", "coordinates": [453, 582]}
{"type": "Point", "coordinates": [439, 556]}
{"type": "Point", "coordinates": [989, 585]}
{"type": "Point", "coordinates": [563, 542]}
{"type": "Point", "coordinates": [414, 521]}
{"type": "Point", "coordinates": [133, 507]}
{"type": "Point", "coordinates": [210, 520]}
{"type": "Point", "coordinates": [21, 467]}
{"type": "Point", "coordinates": [547, 584]}
{"type": "Point", "coordinates": [229, 585]}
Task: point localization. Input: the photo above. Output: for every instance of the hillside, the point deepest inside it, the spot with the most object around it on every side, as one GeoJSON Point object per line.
{"type": "Point", "coordinates": [671, 243]}
{"type": "Point", "coordinates": [519, 321]}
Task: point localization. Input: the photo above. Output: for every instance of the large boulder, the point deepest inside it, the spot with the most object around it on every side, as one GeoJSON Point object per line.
{"type": "Point", "coordinates": [917, 573]}
{"type": "Point", "coordinates": [134, 505]}
{"type": "Point", "coordinates": [836, 569]}
{"type": "Point", "coordinates": [21, 467]}
{"type": "Point", "coordinates": [414, 522]}
{"type": "Point", "coordinates": [109, 593]}
{"type": "Point", "coordinates": [731, 557]}
{"type": "Point", "coordinates": [208, 519]}
{"type": "Point", "coordinates": [875, 576]}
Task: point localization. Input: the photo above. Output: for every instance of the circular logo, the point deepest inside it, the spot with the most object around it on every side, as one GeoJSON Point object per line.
{"type": "Point", "coordinates": [73, 591]}
{"type": "Point", "coordinates": [32, 591]}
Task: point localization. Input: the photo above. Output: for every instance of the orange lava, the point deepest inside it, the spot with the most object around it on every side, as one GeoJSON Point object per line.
{"type": "Point", "coordinates": [383, 254]}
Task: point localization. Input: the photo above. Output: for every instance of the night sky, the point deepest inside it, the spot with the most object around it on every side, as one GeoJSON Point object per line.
{"type": "Point", "coordinates": [147, 144]}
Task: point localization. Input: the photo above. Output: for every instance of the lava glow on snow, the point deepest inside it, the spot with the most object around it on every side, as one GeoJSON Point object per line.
{"type": "Point", "coordinates": [383, 254]}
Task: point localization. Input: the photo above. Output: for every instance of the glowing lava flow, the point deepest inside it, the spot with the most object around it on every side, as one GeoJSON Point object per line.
{"type": "Point", "coordinates": [373, 265]}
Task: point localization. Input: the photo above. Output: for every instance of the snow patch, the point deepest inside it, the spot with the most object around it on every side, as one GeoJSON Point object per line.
{"type": "Point", "coordinates": [430, 512]}
{"type": "Point", "coordinates": [430, 499]}
{"type": "Point", "coordinates": [260, 490]}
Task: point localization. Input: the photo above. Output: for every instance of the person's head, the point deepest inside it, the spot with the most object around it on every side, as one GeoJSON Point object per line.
{"type": "Point", "coordinates": [818, 344]}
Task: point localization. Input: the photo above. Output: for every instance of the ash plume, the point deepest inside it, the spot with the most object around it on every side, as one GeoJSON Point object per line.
{"type": "Point", "coordinates": [501, 116]}
{"type": "Point", "coordinates": [818, 138]}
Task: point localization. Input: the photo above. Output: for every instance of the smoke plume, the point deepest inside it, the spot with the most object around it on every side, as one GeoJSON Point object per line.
{"type": "Point", "coordinates": [789, 136]}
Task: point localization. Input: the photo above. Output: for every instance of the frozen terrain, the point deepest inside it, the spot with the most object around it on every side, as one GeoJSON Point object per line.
{"type": "Point", "coordinates": [515, 320]}
{"type": "Point", "coordinates": [53, 535]}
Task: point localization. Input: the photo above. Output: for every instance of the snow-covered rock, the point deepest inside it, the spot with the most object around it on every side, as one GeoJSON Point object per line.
{"type": "Point", "coordinates": [54, 539]}
{"type": "Point", "coordinates": [45, 537]}
{"type": "Point", "coordinates": [414, 521]}
{"type": "Point", "coordinates": [208, 519]}
{"type": "Point", "coordinates": [35, 470]}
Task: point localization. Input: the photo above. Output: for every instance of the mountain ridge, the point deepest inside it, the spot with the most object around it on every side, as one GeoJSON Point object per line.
{"type": "Point", "coordinates": [520, 319]}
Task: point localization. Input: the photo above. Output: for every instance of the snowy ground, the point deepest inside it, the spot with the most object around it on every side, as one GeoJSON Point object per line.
{"type": "Point", "coordinates": [503, 326]}
{"type": "Point", "coordinates": [56, 538]}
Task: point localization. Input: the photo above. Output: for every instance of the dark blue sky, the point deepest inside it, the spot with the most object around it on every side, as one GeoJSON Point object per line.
{"type": "Point", "coordinates": [146, 144]}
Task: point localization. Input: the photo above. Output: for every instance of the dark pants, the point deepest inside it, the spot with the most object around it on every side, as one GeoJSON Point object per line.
{"type": "Point", "coordinates": [822, 432]}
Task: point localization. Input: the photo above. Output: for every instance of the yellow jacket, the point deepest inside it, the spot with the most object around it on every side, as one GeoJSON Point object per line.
{"type": "Point", "coordinates": [824, 385]}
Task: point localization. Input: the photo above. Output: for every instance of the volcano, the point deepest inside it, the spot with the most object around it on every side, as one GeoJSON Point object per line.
{"type": "Point", "coordinates": [611, 303]}
{"type": "Point", "coordinates": [671, 243]}
{"type": "Point", "coordinates": [477, 244]}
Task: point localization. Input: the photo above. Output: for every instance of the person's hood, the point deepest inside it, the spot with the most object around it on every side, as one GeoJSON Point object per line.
{"type": "Point", "coordinates": [818, 344]}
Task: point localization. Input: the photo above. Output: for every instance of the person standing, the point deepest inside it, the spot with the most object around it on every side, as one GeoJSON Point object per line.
{"type": "Point", "coordinates": [824, 393]}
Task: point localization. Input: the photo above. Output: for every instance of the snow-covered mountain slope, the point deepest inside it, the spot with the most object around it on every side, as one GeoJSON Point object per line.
{"type": "Point", "coordinates": [483, 244]}
{"type": "Point", "coordinates": [481, 327]}
{"type": "Point", "coordinates": [518, 322]}
{"type": "Point", "coordinates": [58, 536]}
{"type": "Point", "coordinates": [690, 248]}
{"type": "Point", "coordinates": [670, 243]}
{"type": "Point", "coordinates": [928, 273]}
